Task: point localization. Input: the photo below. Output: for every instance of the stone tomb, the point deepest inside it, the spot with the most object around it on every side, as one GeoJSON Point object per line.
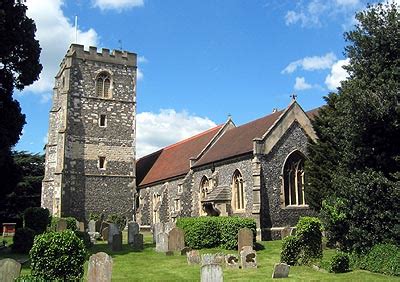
{"type": "Point", "coordinates": [113, 229]}
{"type": "Point", "coordinates": [245, 238]}
{"type": "Point", "coordinates": [231, 261]}
{"type": "Point", "coordinates": [248, 257]}
{"type": "Point", "coordinates": [281, 270]}
{"type": "Point", "coordinates": [193, 257]}
{"type": "Point", "coordinates": [176, 239]}
{"type": "Point", "coordinates": [61, 224]}
{"type": "Point", "coordinates": [100, 268]}
{"type": "Point", "coordinates": [9, 270]}
{"type": "Point", "coordinates": [211, 273]}
{"type": "Point", "coordinates": [162, 242]}
{"type": "Point", "coordinates": [133, 229]}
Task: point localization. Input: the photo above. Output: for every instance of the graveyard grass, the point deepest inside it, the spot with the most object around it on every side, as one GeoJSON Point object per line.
{"type": "Point", "coordinates": [148, 265]}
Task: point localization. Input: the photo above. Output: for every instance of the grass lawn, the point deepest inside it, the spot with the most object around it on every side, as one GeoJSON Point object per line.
{"type": "Point", "coordinates": [149, 265]}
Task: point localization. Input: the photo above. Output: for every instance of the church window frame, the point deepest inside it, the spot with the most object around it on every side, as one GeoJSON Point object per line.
{"type": "Point", "coordinates": [293, 183]}
{"type": "Point", "coordinates": [102, 163]}
{"type": "Point", "coordinates": [238, 201]}
{"type": "Point", "coordinates": [103, 120]}
{"type": "Point", "coordinates": [203, 191]}
{"type": "Point", "coordinates": [103, 85]}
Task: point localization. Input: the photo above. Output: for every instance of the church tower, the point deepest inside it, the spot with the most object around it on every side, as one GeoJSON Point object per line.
{"type": "Point", "coordinates": [90, 154]}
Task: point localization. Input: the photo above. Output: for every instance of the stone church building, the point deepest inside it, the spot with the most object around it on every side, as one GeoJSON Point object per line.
{"type": "Point", "coordinates": [254, 170]}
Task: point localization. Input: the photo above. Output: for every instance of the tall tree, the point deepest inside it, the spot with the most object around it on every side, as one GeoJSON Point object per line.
{"type": "Point", "coordinates": [356, 159]}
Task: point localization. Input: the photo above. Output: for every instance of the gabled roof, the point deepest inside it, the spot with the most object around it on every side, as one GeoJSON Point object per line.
{"type": "Point", "coordinates": [238, 140]}
{"type": "Point", "coordinates": [173, 160]}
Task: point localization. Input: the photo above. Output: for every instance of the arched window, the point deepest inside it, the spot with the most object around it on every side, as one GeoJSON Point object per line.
{"type": "Point", "coordinates": [293, 179]}
{"type": "Point", "coordinates": [156, 207]}
{"type": "Point", "coordinates": [103, 85]}
{"type": "Point", "coordinates": [203, 191]}
{"type": "Point", "coordinates": [237, 191]}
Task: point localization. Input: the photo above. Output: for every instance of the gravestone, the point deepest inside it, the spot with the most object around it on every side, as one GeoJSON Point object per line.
{"type": "Point", "coordinates": [245, 238]}
{"type": "Point", "coordinates": [104, 234]}
{"type": "Point", "coordinates": [248, 257]}
{"type": "Point", "coordinates": [176, 239]}
{"type": "Point", "coordinates": [61, 224]}
{"type": "Point", "coordinates": [116, 244]}
{"type": "Point", "coordinates": [113, 229]}
{"type": "Point", "coordinates": [211, 273]}
{"type": "Point", "coordinates": [162, 242]}
{"type": "Point", "coordinates": [137, 243]}
{"type": "Point", "coordinates": [100, 268]}
{"type": "Point", "coordinates": [286, 231]}
{"type": "Point", "coordinates": [281, 270]}
{"type": "Point", "coordinates": [218, 258]}
{"type": "Point", "coordinates": [9, 270]}
{"type": "Point", "coordinates": [157, 229]}
{"type": "Point", "coordinates": [81, 226]}
{"type": "Point", "coordinates": [103, 225]}
{"type": "Point", "coordinates": [193, 257]}
{"type": "Point", "coordinates": [92, 226]}
{"type": "Point", "coordinates": [133, 229]}
{"type": "Point", "coordinates": [232, 261]}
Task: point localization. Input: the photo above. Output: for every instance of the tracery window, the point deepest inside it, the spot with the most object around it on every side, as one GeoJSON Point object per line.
{"type": "Point", "coordinates": [293, 180]}
{"type": "Point", "coordinates": [103, 85]}
{"type": "Point", "coordinates": [238, 200]}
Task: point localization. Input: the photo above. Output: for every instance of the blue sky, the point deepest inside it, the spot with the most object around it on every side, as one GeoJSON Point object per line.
{"type": "Point", "coordinates": [198, 60]}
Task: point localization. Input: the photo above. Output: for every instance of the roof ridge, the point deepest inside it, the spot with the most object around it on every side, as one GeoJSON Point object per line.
{"type": "Point", "coordinates": [260, 118]}
{"type": "Point", "coordinates": [192, 137]}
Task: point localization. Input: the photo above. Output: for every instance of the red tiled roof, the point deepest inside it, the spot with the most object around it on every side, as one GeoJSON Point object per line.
{"type": "Point", "coordinates": [172, 160]}
{"type": "Point", "coordinates": [238, 140]}
{"type": "Point", "coordinates": [312, 113]}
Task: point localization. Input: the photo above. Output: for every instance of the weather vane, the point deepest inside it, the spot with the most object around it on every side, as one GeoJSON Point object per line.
{"type": "Point", "coordinates": [293, 96]}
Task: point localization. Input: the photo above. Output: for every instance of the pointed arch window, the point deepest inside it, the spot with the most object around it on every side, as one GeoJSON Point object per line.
{"type": "Point", "coordinates": [203, 191]}
{"type": "Point", "coordinates": [238, 198]}
{"type": "Point", "coordinates": [293, 180]}
{"type": "Point", "coordinates": [103, 85]}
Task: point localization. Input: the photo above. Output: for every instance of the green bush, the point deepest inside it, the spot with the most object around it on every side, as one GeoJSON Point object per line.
{"type": "Point", "coordinates": [308, 232]}
{"type": "Point", "coordinates": [382, 258]}
{"type": "Point", "coordinates": [208, 232]}
{"type": "Point", "coordinates": [84, 236]}
{"type": "Point", "coordinates": [340, 263]}
{"type": "Point", "coordinates": [58, 255]}
{"type": "Point", "coordinates": [37, 219]}
{"type": "Point", "coordinates": [23, 240]}
{"type": "Point", "coordinates": [290, 250]}
{"type": "Point", "coordinates": [118, 219]}
{"type": "Point", "coordinates": [71, 223]}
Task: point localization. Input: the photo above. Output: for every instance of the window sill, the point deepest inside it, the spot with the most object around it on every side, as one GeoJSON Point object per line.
{"type": "Point", "coordinates": [299, 207]}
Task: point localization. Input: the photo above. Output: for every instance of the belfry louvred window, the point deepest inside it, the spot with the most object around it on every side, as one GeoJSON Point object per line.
{"type": "Point", "coordinates": [103, 85]}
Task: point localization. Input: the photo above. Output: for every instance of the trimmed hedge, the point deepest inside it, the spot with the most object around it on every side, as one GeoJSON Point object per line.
{"type": "Point", "coordinates": [308, 232]}
{"type": "Point", "coordinates": [382, 258]}
{"type": "Point", "coordinates": [37, 219]}
{"type": "Point", "coordinates": [58, 255]}
{"type": "Point", "coordinates": [210, 232]}
{"type": "Point", "coordinates": [23, 240]}
{"type": "Point", "coordinates": [290, 250]}
{"type": "Point", "coordinates": [340, 263]}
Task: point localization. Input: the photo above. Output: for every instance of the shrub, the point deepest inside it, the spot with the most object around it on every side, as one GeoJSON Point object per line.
{"type": "Point", "coordinates": [340, 263]}
{"type": "Point", "coordinates": [208, 232]}
{"type": "Point", "coordinates": [383, 258]}
{"type": "Point", "coordinates": [84, 236]}
{"type": "Point", "coordinates": [118, 219]}
{"type": "Point", "coordinates": [58, 255]}
{"type": "Point", "coordinates": [37, 219]}
{"type": "Point", "coordinates": [308, 232]}
{"type": "Point", "coordinates": [290, 250]}
{"type": "Point", "coordinates": [23, 240]}
{"type": "Point", "coordinates": [71, 223]}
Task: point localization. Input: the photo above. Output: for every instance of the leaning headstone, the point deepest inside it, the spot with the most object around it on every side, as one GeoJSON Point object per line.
{"type": "Point", "coordinates": [286, 231]}
{"type": "Point", "coordinates": [61, 224]}
{"type": "Point", "coordinates": [193, 257]}
{"type": "Point", "coordinates": [104, 234]}
{"type": "Point", "coordinates": [157, 229]}
{"type": "Point", "coordinates": [211, 273]}
{"type": "Point", "coordinates": [113, 229]}
{"type": "Point", "coordinates": [245, 238]}
{"type": "Point", "coordinates": [9, 270]}
{"type": "Point", "coordinates": [162, 242]}
{"type": "Point", "coordinates": [81, 226]}
{"type": "Point", "coordinates": [248, 257]}
{"type": "Point", "coordinates": [176, 239]}
{"type": "Point", "coordinates": [232, 261]}
{"type": "Point", "coordinates": [281, 270]}
{"type": "Point", "coordinates": [133, 229]}
{"type": "Point", "coordinates": [137, 243]}
{"type": "Point", "coordinates": [92, 225]}
{"type": "Point", "coordinates": [116, 244]}
{"type": "Point", "coordinates": [100, 268]}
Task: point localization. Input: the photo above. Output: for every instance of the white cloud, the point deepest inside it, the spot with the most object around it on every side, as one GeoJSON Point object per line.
{"type": "Point", "coordinates": [338, 74]}
{"type": "Point", "coordinates": [118, 5]}
{"type": "Point", "coordinates": [312, 63]}
{"type": "Point", "coordinates": [157, 130]}
{"type": "Point", "coordinates": [142, 59]}
{"type": "Point", "coordinates": [55, 33]}
{"type": "Point", "coordinates": [301, 84]}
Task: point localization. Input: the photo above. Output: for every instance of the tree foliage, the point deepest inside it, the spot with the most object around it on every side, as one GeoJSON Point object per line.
{"type": "Point", "coordinates": [356, 158]}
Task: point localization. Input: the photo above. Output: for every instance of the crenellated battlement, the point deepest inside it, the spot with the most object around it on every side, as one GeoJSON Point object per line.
{"type": "Point", "coordinates": [115, 57]}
